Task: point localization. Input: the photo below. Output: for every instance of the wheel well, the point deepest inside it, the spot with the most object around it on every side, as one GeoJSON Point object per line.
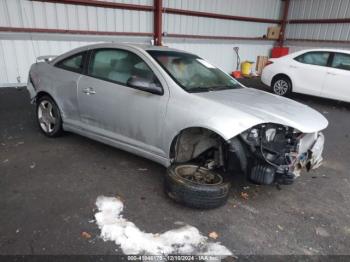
{"type": "Point", "coordinates": [41, 94]}
{"type": "Point", "coordinates": [191, 142]}
{"type": "Point", "coordinates": [279, 76]}
{"type": "Point", "coordinates": [201, 145]}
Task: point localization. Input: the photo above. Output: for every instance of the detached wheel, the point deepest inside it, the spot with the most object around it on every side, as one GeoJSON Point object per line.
{"type": "Point", "coordinates": [282, 86]}
{"type": "Point", "coordinates": [49, 117]}
{"type": "Point", "coordinates": [196, 186]}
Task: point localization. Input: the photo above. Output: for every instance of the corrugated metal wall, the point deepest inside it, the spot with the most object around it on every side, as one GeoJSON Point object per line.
{"type": "Point", "coordinates": [16, 56]}
{"type": "Point", "coordinates": [23, 13]}
{"type": "Point", "coordinates": [178, 24]}
{"type": "Point", "coordinates": [222, 54]}
{"type": "Point", "coordinates": [298, 46]}
{"type": "Point", "coordinates": [209, 49]}
{"type": "Point", "coordinates": [319, 9]}
{"type": "Point", "coordinates": [18, 50]}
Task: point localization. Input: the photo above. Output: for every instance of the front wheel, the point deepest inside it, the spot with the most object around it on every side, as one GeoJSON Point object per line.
{"type": "Point", "coordinates": [196, 186]}
{"type": "Point", "coordinates": [282, 86]}
{"type": "Point", "coordinates": [48, 117]}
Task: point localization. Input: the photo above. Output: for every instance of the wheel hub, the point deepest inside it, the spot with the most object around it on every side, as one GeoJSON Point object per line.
{"type": "Point", "coordinates": [46, 116]}
{"type": "Point", "coordinates": [281, 87]}
{"type": "Point", "coordinates": [198, 175]}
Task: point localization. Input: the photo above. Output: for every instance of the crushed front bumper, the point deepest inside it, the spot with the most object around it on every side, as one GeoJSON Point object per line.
{"type": "Point", "coordinates": [309, 153]}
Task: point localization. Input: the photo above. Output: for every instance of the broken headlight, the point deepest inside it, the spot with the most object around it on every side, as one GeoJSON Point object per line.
{"type": "Point", "coordinates": [266, 132]}
{"type": "Point", "coordinates": [272, 142]}
{"type": "Point", "coordinates": [270, 134]}
{"type": "Point", "coordinates": [273, 150]}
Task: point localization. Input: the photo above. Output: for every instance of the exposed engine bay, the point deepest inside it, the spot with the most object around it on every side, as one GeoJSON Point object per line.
{"type": "Point", "coordinates": [267, 153]}
{"type": "Point", "coordinates": [275, 151]}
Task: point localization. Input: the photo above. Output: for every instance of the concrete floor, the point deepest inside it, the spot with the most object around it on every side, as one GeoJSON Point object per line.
{"type": "Point", "coordinates": [48, 189]}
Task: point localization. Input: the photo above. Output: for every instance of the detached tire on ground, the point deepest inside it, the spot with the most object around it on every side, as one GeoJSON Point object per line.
{"type": "Point", "coordinates": [196, 186]}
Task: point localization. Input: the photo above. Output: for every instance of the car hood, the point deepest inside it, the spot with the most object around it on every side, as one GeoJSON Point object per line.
{"type": "Point", "coordinates": [264, 107]}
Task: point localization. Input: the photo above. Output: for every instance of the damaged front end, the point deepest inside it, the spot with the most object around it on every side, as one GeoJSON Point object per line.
{"type": "Point", "coordinates": [276, 153]}
{"type": "Point", "coordinates": [267, 153]}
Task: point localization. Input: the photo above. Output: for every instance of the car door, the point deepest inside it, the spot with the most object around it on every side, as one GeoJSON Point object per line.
{"type": "Point", "coordinates": [337, 82]}
{"type": "Point", "coordinates": [64, 78]}
{"type": "Point", "coordinates": [111, 108]}
{"type": "Point", "coordinates": [309, 72]}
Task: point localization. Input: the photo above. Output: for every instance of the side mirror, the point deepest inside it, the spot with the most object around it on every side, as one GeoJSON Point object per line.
{"type": "Point", "coordinates": [146, 85]}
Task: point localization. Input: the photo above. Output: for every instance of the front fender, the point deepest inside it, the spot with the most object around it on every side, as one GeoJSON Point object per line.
{"type": "Point", "coordinates": [226, 132]}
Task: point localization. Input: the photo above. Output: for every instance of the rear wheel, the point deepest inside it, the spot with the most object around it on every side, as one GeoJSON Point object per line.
{"type": "Point", "coordinates": [196, 186]}
{"type": "Point", "coordinates": [282, 86]}
{"type": "Point", "coordinates": [49, 117]}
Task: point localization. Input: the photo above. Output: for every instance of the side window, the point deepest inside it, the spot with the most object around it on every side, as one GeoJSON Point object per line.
{"type": "Point", "coordinates": [341, 61]}
{"type": "Point", "coordinates": [314, 58]}
{"type": "Point", "coordinates": [119, 66]}
{"type": "Point", "coordinates": [73, 63]}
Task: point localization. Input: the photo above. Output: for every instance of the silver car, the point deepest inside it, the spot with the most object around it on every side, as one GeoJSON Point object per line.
{"type": "Point", "coordinates": [179, 110]}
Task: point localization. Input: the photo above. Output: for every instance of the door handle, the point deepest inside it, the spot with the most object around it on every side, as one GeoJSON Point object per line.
{"type": "Point", "coordinates": [89, 91]}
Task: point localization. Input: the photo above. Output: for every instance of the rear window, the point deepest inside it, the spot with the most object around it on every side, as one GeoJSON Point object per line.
{"type": "Point", "coordinates": [73, 63]}
{"type": "Point", "coordinates": [314, 58]}
{"type": "Point", "coordinates": [341, 61]}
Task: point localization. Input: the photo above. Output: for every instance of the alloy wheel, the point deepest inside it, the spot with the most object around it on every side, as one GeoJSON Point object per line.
{"type": "Point", "coordinates": [281, 87]}
{"type": "Point", "coordinates": [46, 116]}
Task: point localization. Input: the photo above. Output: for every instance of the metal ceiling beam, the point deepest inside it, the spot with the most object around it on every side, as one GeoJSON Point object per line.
{"type": "Point", "coordinates": [318, 41]}
{"type": "Point", "coordinates": [63, 31]}
{"type": "Point", "coordinates": [320, 21]}
{"type": "Point", "coordinates": [157, 21]}
{"type": "Point", "coordinates": [216, 37]}
{"type": "Point", "coordinates": [284, 22]}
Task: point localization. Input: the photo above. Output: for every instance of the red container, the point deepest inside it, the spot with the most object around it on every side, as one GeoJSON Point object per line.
{"type": "Point", "coordinates": [236, 74]}
{"type": "Point", "coordinates": [279, 51]}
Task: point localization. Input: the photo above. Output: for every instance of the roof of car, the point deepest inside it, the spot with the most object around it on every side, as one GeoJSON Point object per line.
{"type": "Point", "coordinates": [114, 45]}
{"type": "Point", "coordinates": [132, 45]}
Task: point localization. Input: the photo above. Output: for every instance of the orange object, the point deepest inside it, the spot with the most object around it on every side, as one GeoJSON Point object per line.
{"type": "Point", "coordinates": [279, 51]}
{"type": "Point", "coordinates": [236, 74]}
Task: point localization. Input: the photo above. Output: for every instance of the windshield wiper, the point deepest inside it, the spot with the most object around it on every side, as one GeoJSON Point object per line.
{"type": "Point", "coordinates": [217, 88]}
{"type": "Point", "coordinates": [199, 89]}
{"type": "Point", "coordinates": [209, 89]}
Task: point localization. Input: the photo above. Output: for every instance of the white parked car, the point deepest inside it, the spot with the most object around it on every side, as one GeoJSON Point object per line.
{"type": "Point", "coordinates": [317, 72]}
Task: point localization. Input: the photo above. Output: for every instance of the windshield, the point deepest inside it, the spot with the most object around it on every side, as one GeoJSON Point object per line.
{"type": "Point", "coordinates": [193, 73]}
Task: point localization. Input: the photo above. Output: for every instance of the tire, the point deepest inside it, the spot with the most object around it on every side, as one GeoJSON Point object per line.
{"type": "Point", "coordinates": [282, 86]}
{"type": "Point", "coordinates": [192, 193]}
{"type": "Point", "coordinates": [49, 117]}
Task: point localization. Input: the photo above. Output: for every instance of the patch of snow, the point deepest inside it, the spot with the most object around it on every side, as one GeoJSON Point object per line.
{"type": "Point", "coordinates": [186, 240]}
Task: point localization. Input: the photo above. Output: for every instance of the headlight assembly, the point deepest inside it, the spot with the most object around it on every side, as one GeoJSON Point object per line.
{"type": "Point", "coordinates": [270, 134]}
